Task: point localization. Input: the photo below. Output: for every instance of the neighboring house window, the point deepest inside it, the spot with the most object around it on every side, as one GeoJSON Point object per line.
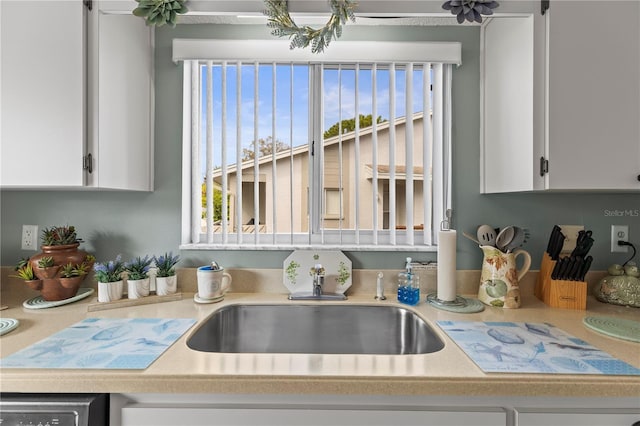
{"type": "Point", "coordinates": [306, 152]}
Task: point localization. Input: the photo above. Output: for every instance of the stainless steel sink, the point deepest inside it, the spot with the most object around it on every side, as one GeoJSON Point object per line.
{"type": "Point", "coordinates": [315, 329]}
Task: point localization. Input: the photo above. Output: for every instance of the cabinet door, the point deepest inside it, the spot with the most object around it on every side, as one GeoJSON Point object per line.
{"type": "Point", "coordinates": [155, 415]}
{"type": "Point", "coordinates": [43, 97]}
{"type": "Point", "coordinates": [512, 103]}
{"type": "Point", "coordinates": [577, 417]}
{"type": "Point", "coordinates": [594, 95]}
{"type": "Point", "coordinates": [121, 102]}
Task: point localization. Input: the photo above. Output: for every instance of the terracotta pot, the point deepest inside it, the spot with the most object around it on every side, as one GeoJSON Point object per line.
{"type": "Point", "coordinates": [45, 273]}
{"type": "Point", "coordinates": [34, 284]}
{"type": "Point", "coordinates": [71, 282]}
{"type": "Point", "coordinates": [52, 289]}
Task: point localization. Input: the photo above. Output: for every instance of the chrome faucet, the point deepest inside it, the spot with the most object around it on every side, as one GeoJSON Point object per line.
{"type": "Point", "coordinates": [318, 280]}
{"type": "Point", "coordinates": [317, 293]}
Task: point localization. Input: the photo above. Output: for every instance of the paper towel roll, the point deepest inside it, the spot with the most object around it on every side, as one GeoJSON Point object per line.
{"type": "Point", "coordinates": [447, 265]}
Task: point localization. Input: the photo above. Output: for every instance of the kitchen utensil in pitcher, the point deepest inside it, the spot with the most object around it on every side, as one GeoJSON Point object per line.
{"type": "Point", "coordinates": [504, 237]}
{"type": "Point", "coordinates": [486, 235]}
{"type": "Point", "coordinates": [519, 237]}
{"type": "Point", "coordinates": [499, 280]}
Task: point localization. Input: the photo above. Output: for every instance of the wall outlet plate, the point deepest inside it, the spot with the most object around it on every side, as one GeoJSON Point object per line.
{"type": "Point", "coordinates": [30, 237]}
{"type": "Point", "coordinates": [571, 236]}
{"type": "Point", "coordinates": [619, 233]}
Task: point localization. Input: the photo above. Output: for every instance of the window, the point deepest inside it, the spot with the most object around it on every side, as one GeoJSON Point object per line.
{"type": "Point", "coordinates": [298, 152]}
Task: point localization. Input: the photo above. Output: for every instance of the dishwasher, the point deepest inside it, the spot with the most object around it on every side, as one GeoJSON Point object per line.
{"type": "Point", "coordinates": [51, 409]}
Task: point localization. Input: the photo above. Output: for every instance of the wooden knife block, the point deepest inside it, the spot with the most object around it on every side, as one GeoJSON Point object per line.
{"type": "Point", "coordinates": [559, 293]}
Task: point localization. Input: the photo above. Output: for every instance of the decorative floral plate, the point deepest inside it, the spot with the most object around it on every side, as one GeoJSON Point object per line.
{"type": "Point", "coordinates": [298, 274]}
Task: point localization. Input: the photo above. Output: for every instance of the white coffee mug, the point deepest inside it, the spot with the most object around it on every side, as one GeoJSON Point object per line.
{"type": "Point", "coordinates": [212, 283]}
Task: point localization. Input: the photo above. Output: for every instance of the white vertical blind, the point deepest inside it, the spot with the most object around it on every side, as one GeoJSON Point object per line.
{"type": "Point", "coordinates": [427, 141]}
{"type": "Point", "coordinates": [209, 152]}
{"type": "Point", "coordinates": [432, 167]}
{"type": "Point", "coordinates": [374, 150]}
{"type": "Point", "coordinates": [392, 153]}
{"type": "Point", "coordinates": [239, 152]}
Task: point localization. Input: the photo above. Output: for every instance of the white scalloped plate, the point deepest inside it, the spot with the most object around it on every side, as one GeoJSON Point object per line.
{"type": "Point", "coordinates": [8, 324]}
{"type": "Point", "coordinates": [296, 271]}
{"type": "Point", "coordinates": [39, 303]}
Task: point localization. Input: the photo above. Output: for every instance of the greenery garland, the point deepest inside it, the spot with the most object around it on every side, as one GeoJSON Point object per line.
{"type": "Point", "coordinates": [160, 12]}
{"type": "Point", "coordinates": [283, 26]}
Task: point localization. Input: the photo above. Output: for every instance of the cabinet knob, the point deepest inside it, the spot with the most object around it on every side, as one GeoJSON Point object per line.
{"type": "Point", "coordinates": [638, 422]}
{"type": "Point", "coordinates": [638, 178]}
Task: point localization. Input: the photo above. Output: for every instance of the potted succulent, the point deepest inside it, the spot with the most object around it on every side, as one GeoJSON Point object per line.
{"type": "Point", "coordinates": [71, 274]}
{"type": "Point", "coordinates": [138, 277]}
{"type": "Point", "coordinates": [59, 247]}
{"type": "Point", "coordinates": [109, 277]}
{"type": "Point", "coordinates": [166, 279]}
{"type": "Point", "coordinates": [24, 271]}
{"type": "Point", "coordinates": [46, 267]}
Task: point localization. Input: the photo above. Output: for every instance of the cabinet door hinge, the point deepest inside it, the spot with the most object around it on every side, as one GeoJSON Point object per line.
{"type": "Point", "coordinates": [87, 163]}
{"type": "Point", "coordinates": [544, 166]}
{"type": "Point", "coordinates": [88, 4]}
{"type": "Point", "coordinates": [544, 6]}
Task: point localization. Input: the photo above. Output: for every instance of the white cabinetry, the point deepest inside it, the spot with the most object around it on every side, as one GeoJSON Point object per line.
{"type": "Point", "coordinates": [136, 415]}
{"type": "Point", "coordinates": [577, 417]}
{"type": "Point", "coordinates": [320, 409]}
{"type": "Point", "coordinates": [564, 88]}
{"type": "Point", "coordinates": [120, 102]}
{"type": "Point", "coordinates": [76, 84]}
{"type": "Point", "coordinates": [43, 98]}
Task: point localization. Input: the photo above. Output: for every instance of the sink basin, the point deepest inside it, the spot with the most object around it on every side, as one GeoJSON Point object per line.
{"type": "Point", "coordinates": [315, 329]}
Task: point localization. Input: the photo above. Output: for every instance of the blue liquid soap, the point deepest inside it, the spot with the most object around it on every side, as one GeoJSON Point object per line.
{"type": "Point", "coordinates": [409, 295]}
{"type": "Point", "coordinates": [408, 289]}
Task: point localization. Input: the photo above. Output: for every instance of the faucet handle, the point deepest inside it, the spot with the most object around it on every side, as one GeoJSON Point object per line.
{"type": "Point", "coordinates": [318, 269]}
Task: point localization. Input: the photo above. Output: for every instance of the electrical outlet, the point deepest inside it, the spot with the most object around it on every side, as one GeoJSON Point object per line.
{"type": "Point", "coordinates": [571, 237]}
{"type": "Point", "coordinates": [29, 237]}
{"type": "Point", "coordinates": [619, 233]}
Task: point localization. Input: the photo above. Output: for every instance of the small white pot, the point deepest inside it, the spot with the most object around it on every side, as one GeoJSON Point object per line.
{"type": "Point", "coordinates": [109, 292]}
{"type": "Point", "coordinates": [138, 288]}
{"type": "Point", "coordinates": [166, 285]}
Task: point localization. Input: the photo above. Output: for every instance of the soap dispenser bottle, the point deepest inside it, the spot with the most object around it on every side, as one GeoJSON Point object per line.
{"type": "Point", "coordinates": [408, 286]}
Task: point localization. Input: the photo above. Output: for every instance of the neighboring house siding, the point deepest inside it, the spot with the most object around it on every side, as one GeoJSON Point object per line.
{"type": "Point", "coordinates": [331, 180]}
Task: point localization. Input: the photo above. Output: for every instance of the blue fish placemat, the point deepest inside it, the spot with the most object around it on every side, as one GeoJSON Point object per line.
{"type": "Point", "coordinates": [522, 347]}
{"type": "Point", "coordinates": [102, 343]}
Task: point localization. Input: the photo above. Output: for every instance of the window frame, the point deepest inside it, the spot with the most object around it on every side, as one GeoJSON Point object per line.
{"type": "Point", "coordinates": [329, 238]}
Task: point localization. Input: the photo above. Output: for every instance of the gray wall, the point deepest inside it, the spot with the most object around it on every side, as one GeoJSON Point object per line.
{"type": "Point", "coordinates": [149, 223]}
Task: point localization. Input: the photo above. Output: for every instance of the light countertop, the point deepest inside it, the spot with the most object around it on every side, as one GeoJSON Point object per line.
{"type": "Point", "coordinates": [182, 370]}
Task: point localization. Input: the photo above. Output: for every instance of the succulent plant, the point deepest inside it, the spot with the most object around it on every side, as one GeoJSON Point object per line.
{"type": "Point", "coordinates": [25, 272]}
{"type": "Point", "coordinates": [470, 10]}
{"type": "Point", "coordinates": [59, 235]}
{"type": "Point", "coordinates": [70, 270]}
{"type": "Point", "coordinates": [160, 12]}
{"type": "Point", "coordinates": [45, 262]}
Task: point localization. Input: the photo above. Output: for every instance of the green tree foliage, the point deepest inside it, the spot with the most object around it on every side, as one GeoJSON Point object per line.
{"type": "Point", "coordinates": [350, 125]}
{"type": "Point", "coordinates": [217, 203]}
{"type": "Point", "coordinates": [265, 147]}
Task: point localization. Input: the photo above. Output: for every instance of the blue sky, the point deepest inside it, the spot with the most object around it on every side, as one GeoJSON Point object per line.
{"type": "Point", "coordinates": [299, 115]}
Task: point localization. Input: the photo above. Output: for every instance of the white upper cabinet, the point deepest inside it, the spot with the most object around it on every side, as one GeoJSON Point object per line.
{"type": "Point", "coordinates": [77, 97]}
{"type": "Point", "coordinates": [121, 96]}
{"type": "Point", "coordinates": [43, 98]}
{"type": "Point", "coordinates": [561, 99]}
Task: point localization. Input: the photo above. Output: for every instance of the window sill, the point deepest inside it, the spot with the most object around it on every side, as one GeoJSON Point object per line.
{"type": "Point", "coordinates": [280, 247]}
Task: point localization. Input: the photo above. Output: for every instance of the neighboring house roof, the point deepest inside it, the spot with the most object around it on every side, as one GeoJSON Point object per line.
{"type": "Point", "coordinates": [346, 138]}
